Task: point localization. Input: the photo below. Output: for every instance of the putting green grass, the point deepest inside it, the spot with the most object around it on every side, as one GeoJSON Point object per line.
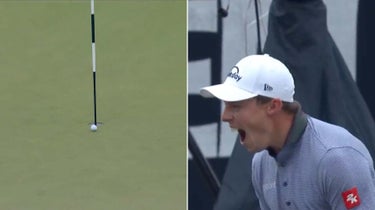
{"type": "Point", "coordinates": [49, 159]}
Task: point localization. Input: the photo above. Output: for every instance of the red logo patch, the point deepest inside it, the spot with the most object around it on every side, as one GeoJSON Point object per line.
{"type": "Point", "coordinates": [351, 198]}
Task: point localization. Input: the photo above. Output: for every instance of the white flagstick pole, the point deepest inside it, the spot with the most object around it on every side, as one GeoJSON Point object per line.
{"type": "Point", "coordinates": [94, 125]}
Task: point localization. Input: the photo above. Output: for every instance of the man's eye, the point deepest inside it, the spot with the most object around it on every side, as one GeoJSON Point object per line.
{"type": "Point", "coordinates": [233, 106]}
{"type": "Point", "coordinates": [236, 107]}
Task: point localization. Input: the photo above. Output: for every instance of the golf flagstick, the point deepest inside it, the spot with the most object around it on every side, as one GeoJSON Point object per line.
{"type": "Point", "coordinates": [95, 124]}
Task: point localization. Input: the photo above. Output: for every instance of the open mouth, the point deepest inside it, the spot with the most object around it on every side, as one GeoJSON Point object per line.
{"type": "Point", "coordinates": [242, 134]}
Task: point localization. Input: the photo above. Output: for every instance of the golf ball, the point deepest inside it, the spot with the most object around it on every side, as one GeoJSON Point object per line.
{"type": "Point", "coordinates": [93, 127]}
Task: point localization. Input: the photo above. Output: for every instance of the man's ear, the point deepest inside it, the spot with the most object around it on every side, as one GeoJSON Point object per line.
{"type": "Point", "coordinates": [274, 106]}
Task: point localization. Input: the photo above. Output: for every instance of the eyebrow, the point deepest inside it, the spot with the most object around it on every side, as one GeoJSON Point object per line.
{"type": "Point", "coordinates": [233, 103]}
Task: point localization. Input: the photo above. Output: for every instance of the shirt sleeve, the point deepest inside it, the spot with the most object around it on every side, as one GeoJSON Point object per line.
{"type": "Point", "coordinates": [347, 179]}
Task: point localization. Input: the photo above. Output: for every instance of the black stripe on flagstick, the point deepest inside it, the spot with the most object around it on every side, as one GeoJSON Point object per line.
{"type": "Point", "coordinates": [94, 81]}
{"type": "Point", "coordinates": [92, 28]}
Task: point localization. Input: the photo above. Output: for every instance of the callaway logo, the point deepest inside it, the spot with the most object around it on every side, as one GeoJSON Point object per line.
{"type": "Point", "coordinates": [235, 73]}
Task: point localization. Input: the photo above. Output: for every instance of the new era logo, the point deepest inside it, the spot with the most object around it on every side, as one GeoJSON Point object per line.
{"type": "Point", "coordinates": [267, 87]}
{"type": "Point", "coordinates": [351, 198]}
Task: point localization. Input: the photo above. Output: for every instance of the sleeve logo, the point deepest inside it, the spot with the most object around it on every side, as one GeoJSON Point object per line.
{"type": "Point", "coordinates": [351, 198]}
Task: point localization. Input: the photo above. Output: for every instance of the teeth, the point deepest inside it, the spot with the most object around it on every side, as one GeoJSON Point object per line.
{"type": "Point", "coordinates": [234, 130]}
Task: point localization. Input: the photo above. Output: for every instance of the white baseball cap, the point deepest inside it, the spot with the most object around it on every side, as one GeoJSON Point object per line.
{"type": "Point", "coordinates": [252, 76]}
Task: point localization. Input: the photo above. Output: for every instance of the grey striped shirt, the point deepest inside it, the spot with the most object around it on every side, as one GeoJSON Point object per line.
{"type": "Point", "coordinates": [321, 166]}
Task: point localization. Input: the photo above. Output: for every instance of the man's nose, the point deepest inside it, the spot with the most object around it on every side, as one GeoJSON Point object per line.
{"type": "Point", "coordinates": [226, 116]}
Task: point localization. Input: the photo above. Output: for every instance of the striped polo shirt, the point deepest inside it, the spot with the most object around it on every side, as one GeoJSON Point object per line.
{"type": "Point", "coordinates": [321, 166]}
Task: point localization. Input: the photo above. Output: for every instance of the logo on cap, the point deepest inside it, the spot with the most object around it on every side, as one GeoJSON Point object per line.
{"type": "Point", "coordinates": [235, 74]}
{"type": "Point", "coordinates": [267, 87]}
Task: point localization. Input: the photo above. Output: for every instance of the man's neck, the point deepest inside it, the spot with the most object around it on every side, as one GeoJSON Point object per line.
{"type": "Point", "coordinates": [282, 126]}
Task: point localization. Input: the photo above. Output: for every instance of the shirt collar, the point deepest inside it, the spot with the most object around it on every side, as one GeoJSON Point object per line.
{"type": "Point", "coordinates": [295, 133]}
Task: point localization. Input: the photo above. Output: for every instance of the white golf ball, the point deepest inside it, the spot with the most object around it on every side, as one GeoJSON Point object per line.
{"type": "Point", "coordinates": [93, 127]}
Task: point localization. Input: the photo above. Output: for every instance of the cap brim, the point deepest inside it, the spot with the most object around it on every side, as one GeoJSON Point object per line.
{"type": "Point", "coordinates": [226, 92]}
